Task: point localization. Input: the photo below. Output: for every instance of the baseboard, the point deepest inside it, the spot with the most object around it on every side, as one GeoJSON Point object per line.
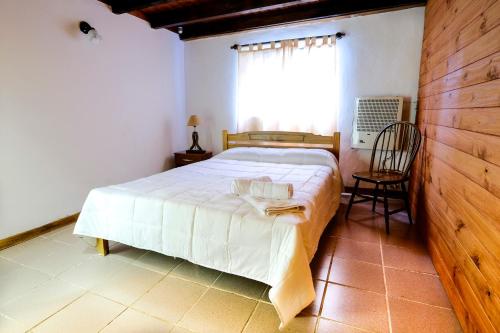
{"type": "Point", "coordinates": [27, 235]}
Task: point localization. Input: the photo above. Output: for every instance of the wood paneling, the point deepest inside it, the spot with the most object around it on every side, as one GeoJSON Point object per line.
{"type": "Point", "coordinates": [455, 185]}
{"type": "Point", "coordinates": [481, 120]}
{"type": "Point", "coordinates": [480, 71]}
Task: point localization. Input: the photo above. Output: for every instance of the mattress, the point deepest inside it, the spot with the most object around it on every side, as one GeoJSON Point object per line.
{"type": "Point", "coordinates": [189, 212]}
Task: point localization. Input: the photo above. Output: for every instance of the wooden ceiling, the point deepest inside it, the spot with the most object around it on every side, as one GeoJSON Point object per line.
{"type": "Point", "coordinates": [204, 18]}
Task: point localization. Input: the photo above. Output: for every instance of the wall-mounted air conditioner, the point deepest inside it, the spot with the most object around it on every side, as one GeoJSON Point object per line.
{"type": "Point", "coordinates": [372, 115]}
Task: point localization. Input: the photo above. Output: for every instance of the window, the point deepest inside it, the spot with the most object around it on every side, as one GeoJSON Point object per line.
{"type": "Point", "coordinates": [288, 87]}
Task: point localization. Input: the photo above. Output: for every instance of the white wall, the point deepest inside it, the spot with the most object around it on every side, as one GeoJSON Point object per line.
{"type": "Point", "coordinates": [379, 56]}
{"type": "Point", "coordinates": [74, 115]}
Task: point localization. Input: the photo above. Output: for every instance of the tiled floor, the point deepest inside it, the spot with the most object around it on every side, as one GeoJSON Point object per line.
{"type": "Point", "coordinates": [365, 282]}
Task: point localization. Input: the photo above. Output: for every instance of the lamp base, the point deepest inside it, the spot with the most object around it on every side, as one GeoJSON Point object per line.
{"type": "Point", "coordinates": [195, 147]}
{"type": "Point", "coordinates": [190, 151]}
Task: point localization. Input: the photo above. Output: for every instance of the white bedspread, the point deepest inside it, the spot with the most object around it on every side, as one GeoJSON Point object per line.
{"type": "Point", "coordinates": [190, 213]}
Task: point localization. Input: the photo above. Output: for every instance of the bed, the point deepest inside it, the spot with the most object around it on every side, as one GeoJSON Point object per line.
{"type": "Point", "coordinates": [189, 212]}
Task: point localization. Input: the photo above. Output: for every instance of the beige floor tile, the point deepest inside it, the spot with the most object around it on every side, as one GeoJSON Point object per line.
{"type": "Point", "coordinates": [7, 266]}
{"type": "Point", "coordinates": [8, 325]}
{"type": "Point", "coordinates": [89, 313]}
{"type": "Point", "coordinates": [314, 307]}
{"type": "Point", "coordinates": [30, 251]}
{"type": "Point", "coordinates": [300, 324]}
{"type": "Point", "coordinates": [17, 280]}
{"type": "Point", "coordinates": [266, 320]}
{"type": "Point", "coordinates": [240, 285]}
{"type": "Point", "coordinates": [132, 321]}
{"type": "Point", "coordinates": [418, 287]}
{"type": "Point", "coordinates": [64, 258]}
{"type": "Point", "coordinates": [45, 255]}
{"type": "Point", "coordinates": [157, 262]}
{"type": "Point", "coordinates": [83, 243]}
{"type": "Point", "coordinates": [411, 317]}
{"type": "Point", "coordinates": [170, 299]}
{"type": "Point", "coordinates": [112, 244]}
{"type": "Point", "coordinates": [320, 266]}
{"type": "Point", "coordinates": [128, 284]}
{"type": "Point", "coordinates": [65, 235]}
{"type": "Point", "coordinates": [414, 259]}
{"type": "Point", "coordinates": [196, 273]}
{"type": "Point", "coordinates": [41, 302]}
{"type": "Point", "coordinates": [364, 230]}
{"type": "Point", "coordinates": [126, 253]}
{"type": "Point", "coordinates": [219, 311]}
{"type": "Point", "coordinates": [66, 229]}
{"type": "Point", "coordinates": [62, 233]}
{"type": "Point", "coordinates": [363, 251]}
{"type": "Point", "coordinates": [330, 326]}
{"type": "Point", "coordinates": [179, 329]}
{"type": "Point", "coordinates": [93, 271]}
{"type": "Point", "coordinates": [357, 274]}
{"type": "Point", "coordinates": [355, 307]}
{"type": "Point", "coordinates": [265, 295]}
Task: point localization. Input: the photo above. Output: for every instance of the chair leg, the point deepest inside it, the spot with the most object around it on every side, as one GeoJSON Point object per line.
{"type": "Point", "coordinates": [386, 210]}
{"type": "Point", "coordinates": [353, 195]}
{"type": "Point", "coordinates": [407, 202]}
{"type": "Point", "coordinates": [375, 194]}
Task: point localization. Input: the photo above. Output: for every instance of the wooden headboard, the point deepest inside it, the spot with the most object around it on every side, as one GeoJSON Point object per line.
{"type": "Point", "coordinates": [282, 140]}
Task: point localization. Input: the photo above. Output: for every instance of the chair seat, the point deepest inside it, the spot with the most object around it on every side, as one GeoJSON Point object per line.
{"type": "Point", "coordinates": [386, 177]}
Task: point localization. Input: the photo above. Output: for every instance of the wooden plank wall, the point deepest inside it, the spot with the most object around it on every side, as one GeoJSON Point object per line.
{"type": "Point", "coordinates": [455, 185]}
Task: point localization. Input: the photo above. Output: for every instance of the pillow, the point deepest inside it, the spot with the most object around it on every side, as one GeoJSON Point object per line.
{"type": "Point", "coordinates": [280, 155]}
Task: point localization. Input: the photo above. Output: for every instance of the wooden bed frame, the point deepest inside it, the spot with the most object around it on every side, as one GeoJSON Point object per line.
{"type": "Point", "coordinates": [266, 139]}
{"type": "Point", "coordinates": [272, 139]}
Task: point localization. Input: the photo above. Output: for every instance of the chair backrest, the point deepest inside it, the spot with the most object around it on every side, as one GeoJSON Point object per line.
{"type": "Point", "coordinates": [395, 148]}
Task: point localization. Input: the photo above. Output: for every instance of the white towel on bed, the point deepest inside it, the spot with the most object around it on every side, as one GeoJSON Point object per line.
{"type": "Point", "coordinates": [241, 186]}
{"type": "Point", "coordinates": [269, 190]}
{"type": "Point", "coordinates": [274, 207]}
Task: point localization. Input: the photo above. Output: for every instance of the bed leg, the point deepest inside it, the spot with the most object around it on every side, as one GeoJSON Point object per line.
{"type": "Point", "coordinates": [102, 246]}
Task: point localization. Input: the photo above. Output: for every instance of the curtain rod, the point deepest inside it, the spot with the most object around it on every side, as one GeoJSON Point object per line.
{"type": "Point", "coordinates": [338, 35]}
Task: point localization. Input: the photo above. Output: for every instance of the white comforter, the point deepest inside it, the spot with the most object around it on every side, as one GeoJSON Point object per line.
{"type": "Point", "coordinates": [190, 213]}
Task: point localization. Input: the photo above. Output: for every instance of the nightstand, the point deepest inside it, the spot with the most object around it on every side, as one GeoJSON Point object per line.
{"type": "Point", "coordinates": [183, 158]}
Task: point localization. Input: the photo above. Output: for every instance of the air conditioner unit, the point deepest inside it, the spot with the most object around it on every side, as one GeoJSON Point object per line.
{"type": "Point", "coordinates": [372, 115]}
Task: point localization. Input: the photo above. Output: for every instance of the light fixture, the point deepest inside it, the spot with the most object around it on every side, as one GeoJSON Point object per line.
{"type": "Point", "coordinates": [195, 147]}
{"type": "Point", "coordinates": [180, 30]}
{"type": "Point", "coordinates": [90, 31]}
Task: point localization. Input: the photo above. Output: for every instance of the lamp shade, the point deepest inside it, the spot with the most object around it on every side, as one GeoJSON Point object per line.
{"type": "Point", "coordinates": [193, 121]}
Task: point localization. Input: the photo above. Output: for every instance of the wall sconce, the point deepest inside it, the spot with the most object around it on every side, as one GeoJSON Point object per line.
{"type": "Point", "coordinates": [90, 31]}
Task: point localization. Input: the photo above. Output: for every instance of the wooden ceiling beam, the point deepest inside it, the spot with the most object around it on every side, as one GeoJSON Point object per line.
{"type": "Point", "coordinates": [213, 10]}
{"type": "Point", "coordinates": [297, 13]}
{"type": "Point", "coordinates": [125, 6]}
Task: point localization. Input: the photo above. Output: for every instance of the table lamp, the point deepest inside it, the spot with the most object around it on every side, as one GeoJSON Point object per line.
{"type": "Point", "coordinates": [195, 147]}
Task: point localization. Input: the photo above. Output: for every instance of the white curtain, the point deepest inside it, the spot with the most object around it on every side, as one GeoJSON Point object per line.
{"type": "Point", "coordinates": [288, 86]}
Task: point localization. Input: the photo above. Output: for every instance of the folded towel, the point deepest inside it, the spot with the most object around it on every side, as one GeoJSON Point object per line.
{"type": "Point", "coordinates": [274, 207]}
{"type": "Point", "coordinates": [269, 190]}
{"type": "Point", "coordinates": [241, 186]}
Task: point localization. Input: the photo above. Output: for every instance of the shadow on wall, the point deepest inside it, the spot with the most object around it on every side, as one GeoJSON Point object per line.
{"type": "Point", "coordinates": [168, 163]}
{"type": "Point", "coordinates": [407, 114]}
{"type": "Point", "coordinates": [72, 29]}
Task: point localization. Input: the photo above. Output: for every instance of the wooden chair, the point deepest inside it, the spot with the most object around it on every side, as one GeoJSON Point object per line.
{"type": "Point", "coordinates": [393, 153]}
